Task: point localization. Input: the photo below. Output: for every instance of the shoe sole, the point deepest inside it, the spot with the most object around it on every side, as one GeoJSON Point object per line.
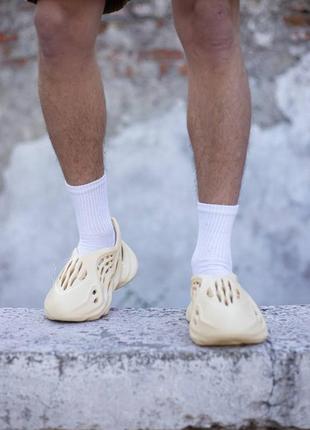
{"type": "Point", "coordinates": [227, 339]}
{"type": "Point", "coordinates": [199, 336]}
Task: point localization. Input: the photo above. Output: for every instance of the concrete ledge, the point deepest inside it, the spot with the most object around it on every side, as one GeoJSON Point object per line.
{"type": "Point", "coordinates": [138, 370]}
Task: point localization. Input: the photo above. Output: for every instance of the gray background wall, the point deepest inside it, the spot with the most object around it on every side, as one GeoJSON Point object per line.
{"type": "Point", "coordinates": [149, 160]}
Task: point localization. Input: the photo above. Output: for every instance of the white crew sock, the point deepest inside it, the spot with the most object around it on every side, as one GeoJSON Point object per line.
{"type": "Point", "coordinates": [90, 202]}
{"type": "Point", "coordinates": [212, 255]}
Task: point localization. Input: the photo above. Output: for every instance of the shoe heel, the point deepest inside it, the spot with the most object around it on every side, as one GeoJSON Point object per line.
{"type": "Point", "coordinates": [130, 266]}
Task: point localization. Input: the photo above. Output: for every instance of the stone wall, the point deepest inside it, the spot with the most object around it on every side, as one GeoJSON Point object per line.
{"type": "Point", "coordinates": [145, 81]}
{"type": "Point", "coordinates": [138, 370]}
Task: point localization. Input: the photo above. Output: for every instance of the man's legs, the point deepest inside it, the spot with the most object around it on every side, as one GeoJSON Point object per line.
{"type": "Point", "coordinates": [220, 311]}
{"type": "Point", "coordinates": [218, 121]}
{"type": "Point", "coordinates": [73, 105]}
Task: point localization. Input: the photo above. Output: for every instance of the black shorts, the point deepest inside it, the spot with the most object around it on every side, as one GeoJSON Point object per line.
{"type": "Point", "coordinates": [110, 6]}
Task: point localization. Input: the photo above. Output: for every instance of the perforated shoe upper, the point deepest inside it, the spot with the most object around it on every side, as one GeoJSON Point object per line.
{"type": "Point", "coordinates": [83, 289]}
{"type": "Point", "coordinates": [221, 308]}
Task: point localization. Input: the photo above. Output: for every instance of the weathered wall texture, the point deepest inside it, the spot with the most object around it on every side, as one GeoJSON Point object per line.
{"type": "Point", "coordinates": [149, 161]}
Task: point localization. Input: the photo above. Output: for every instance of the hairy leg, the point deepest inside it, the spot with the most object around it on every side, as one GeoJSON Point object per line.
{"type": "Point", "coordinates": [218, 122]}
{"type": "Point", "coordinates": [220, 312]}
{"type": "Point", "coordinates": [70, 86]}
{"type": "Point", "coordinates": [73, 105]}
{"type": "Point", "coordinates": [218, 97]}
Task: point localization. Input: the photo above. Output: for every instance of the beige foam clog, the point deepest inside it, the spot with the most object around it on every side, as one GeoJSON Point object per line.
{"type": "Point", "coordinates": [83, 290]}
{"type": "Point", "coordinates": [221, 312]}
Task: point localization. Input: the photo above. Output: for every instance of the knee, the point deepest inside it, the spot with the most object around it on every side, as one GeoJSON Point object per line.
{"type": "Point", "coordinates": [210, 30]}
{"type": "Point", "coordinates": [57, 30]}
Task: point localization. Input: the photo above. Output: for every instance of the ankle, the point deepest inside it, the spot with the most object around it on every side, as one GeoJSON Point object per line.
{"type": "Point", "coordinates": [91, 207]}
{"type": "Point", "coordinates": [209, 267]}
{"type": "Point", "coordinates": [91, 243]}
{"type": "Point", "coordinates": [212, 255]}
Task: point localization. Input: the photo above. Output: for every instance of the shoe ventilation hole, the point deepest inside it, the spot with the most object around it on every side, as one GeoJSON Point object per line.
{"type": "Point", "coordinates": [225, 292]}
{"type": "Point", "coordinates": [94, 293]}
{"type": "Point", "coordinates": [197, 311]}
{"type": "Point", "coordinates": [104, 266]}
{"type": "Point", "coordinates": [210, 292]}
{"type": "Point", "coordinates": [83, 275]}
{"type": "Point", "coordinates": [117, 264]}
{"type": "Point", "coordinates": [195, 285]}
{"type": "Point", "coordinates": [217, 292]}
{"type": "Point", "coordinates": [72, 271]}
{"type": "Point", "coordinates": [231, 297]}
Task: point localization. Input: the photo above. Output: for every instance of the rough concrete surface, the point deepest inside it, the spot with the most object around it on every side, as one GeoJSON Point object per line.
{"type": "Point", "coordinates": [149, 160]}
{"type": "Point", "coordinates": [138, 370]}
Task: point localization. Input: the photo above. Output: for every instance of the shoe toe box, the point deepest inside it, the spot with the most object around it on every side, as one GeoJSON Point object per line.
{"type": "Point", "coordinates": [72, 304]}
{"type": "Point", "coordinates": [231, 317]}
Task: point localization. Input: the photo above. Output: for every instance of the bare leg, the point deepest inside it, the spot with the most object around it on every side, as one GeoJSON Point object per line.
{"type": "Point", "coordinates": [219, 97]}
{"type": "Point", "coordinates": [218, 122]}
{"type": "Point", "coordinates": [220, 312]}
{"type": "Point", "coordinates": [73, 105]}
{"type": "Point", "coordinates": [70, 87]}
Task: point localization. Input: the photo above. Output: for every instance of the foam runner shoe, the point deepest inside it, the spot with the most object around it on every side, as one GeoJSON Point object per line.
{"type": "Point", "coordinates": [223, 313]}
{"type": "Point", "coordinates": [83, 290]}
